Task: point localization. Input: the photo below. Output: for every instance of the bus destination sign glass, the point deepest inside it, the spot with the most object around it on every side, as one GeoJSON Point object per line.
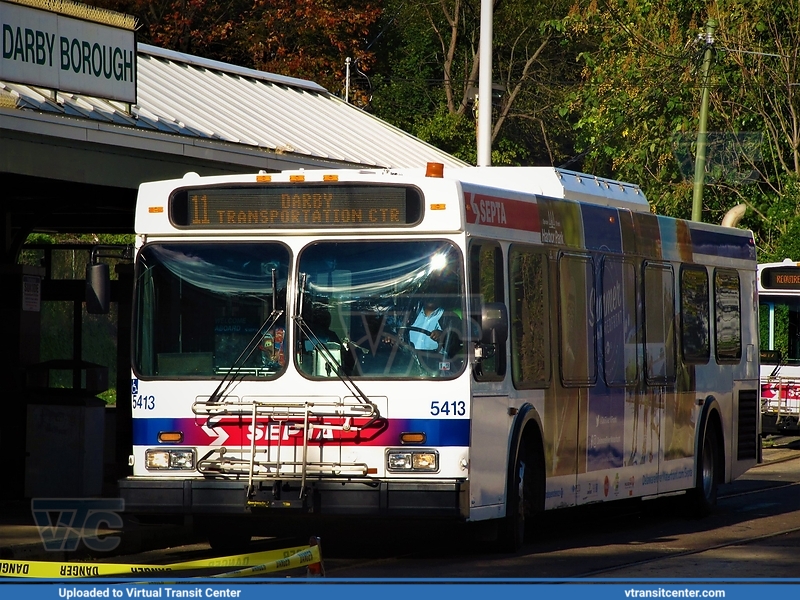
{"type": "Point", "coordinates": [781, 278]}
{"type": "Point", "coordinates": [295, 207]}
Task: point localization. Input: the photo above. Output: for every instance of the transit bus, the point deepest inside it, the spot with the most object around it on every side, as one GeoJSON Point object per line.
{"type": "Point", "coordinates": [578, 349]}
{"type": "Point", "coordinates": [779, 322]}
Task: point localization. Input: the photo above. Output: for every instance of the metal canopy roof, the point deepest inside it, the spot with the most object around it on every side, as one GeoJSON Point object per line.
{"type": "Point", "coordinates": [275, 122]}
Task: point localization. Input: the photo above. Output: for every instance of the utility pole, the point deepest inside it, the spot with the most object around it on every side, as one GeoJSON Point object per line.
{"type": "Point", "coordinates": [702, 136]}
{"type": "Point", "coordinates": [485, 85]}
{"type": "Point", "coordinates": [347, 80]}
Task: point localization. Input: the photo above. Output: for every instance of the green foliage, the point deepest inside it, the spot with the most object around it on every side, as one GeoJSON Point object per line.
{"type": "Point", "coordinates": [611, 87]}
{"type": "Point", "coordinates": [111, 239]}
{"type": "Point", "coordinates": [778, 222]}
{"type": "Point", "coordinates": [428, 58]}
{"type": "Point", "coordinates": [98, 332]}
{"type": "Point", "coordinates": [452, 132]}
{"type": "Point", "coordinates": [636, 110]}
{"type": "Point", "coordinates": [455, 134]}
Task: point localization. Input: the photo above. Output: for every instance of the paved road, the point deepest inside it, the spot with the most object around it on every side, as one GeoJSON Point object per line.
{"type": "Point", "coordinates": [755, 532]}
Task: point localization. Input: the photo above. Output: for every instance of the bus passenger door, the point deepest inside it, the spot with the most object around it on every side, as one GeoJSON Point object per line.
{"type": "Point", "coordinates": [566, 410]}
{"type": "Point", "coordinates": [490, 419]}
{"type": "Point", "coordinates": [660, 369]}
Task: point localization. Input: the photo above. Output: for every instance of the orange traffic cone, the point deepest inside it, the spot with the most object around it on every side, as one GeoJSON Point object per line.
{"type": "Point", "coordinates": [316, 569]}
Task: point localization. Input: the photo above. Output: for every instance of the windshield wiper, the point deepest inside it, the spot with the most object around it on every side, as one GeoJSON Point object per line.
{"type": "Point", "coordinates": [781, 361]}
{"type": "Point", "coordinates": [325, 351]}
{"type": "Point", "coordinates": [230, 377]}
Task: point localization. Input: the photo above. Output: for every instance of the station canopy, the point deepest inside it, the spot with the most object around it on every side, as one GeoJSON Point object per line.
{"type": "Point", "coordinates": [190, 114]}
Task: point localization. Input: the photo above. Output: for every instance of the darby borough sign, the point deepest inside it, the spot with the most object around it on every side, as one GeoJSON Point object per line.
{"type": "Point", "coordinates": [61, 52]}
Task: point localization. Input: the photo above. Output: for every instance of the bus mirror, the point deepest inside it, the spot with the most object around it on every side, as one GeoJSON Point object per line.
{"type": "Point", "coordinates": [98, 289]}
{"type": "Point", "coordinates": [494, 323]}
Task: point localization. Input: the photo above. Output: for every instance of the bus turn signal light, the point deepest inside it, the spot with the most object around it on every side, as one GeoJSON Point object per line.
{"type": "Point", "coordinates": [413, 437]}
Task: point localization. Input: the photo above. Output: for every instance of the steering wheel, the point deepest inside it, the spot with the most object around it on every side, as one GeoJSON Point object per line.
{"type": "Point", "coordinates": [419, 330]}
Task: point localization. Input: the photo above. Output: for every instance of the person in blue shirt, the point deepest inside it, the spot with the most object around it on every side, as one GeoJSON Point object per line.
{"type": "Point", "coordinates": [435, 329]}
{"type": "Point", "coordinates": [427, 320]}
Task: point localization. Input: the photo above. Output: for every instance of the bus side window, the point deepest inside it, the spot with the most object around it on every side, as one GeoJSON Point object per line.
{"type": "Point", "coordinates": [659, 319]}
{"type": "Point", "coordinates": [695, 319]}
{"type": "Point", "coordinates": [576, 300]}
{"type": "Point", "coordinates": [529, 318]}
{"type": "Point", "coordinates": [728, 316]}
{"type": "Point", "coordinates": [620, 347]}
{"type": "Point", "coordinates": [487, 284]}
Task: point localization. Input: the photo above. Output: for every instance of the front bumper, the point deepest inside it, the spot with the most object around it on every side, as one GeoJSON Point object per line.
{"type": "Point", "coordinates": [374, 498]}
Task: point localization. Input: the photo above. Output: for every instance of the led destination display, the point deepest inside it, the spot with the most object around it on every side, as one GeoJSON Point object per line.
{"type": "Point", "coordinates": [781, 278]}
{"type": "Point", "coordinates": [303, 207]}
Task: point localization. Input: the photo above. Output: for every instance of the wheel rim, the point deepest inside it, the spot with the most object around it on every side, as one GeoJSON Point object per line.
{"type": "Point", "coordinates": [521, 500]}
{"type": "Point", "coordinates": [708, 468]}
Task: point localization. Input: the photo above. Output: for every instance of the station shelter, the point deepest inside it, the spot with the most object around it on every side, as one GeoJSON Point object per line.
{"type": "Point", "coordinates": [86, 115]}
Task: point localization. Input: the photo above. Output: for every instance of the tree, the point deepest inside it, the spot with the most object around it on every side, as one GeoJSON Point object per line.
{"type": "Point", "coordinates": [638, 93]}
{"type": "Point", "coordinates": [637, 108]}
{"type": "Point", "coordinates": [760, 58]}
{"type": "Point", "coordinates": [309, 39]}
{"type": "Point", "coordinates": [427, 75]}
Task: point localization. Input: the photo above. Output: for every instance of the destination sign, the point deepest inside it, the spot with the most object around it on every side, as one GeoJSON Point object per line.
{"type": "Point", "coordinates": [304, 207]}
{"type": "Point", "coordinates": [781, 278]}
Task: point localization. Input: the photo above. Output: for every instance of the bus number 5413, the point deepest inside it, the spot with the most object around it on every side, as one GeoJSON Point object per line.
{"type": "Point", "coordinates": [145, 402]}
{"type": "Point", "coordinates": [456, 408]}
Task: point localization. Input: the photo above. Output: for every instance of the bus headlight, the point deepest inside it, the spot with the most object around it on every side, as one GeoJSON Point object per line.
{"type": "Point", "coordinates": [412, 460]}
{"type": "Point", "coordinates": [160, 459]}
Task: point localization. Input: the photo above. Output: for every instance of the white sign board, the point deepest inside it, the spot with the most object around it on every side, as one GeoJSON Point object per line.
{"type": "Point", "coordinates": [62, 53]}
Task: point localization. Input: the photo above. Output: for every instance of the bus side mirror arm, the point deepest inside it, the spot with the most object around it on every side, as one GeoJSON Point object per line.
{"type": "Point", "coordinates": [494, 323]}
{"type": "Point", "coordinates": [493, 331]}
{"type": "Point", "coordinates": [98, 278]}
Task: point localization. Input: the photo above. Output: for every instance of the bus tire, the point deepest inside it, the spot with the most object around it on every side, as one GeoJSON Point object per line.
{"type": "Point", "coordinates": [525, 499]}
{"type": "Point", "coordinates": [703, 498]}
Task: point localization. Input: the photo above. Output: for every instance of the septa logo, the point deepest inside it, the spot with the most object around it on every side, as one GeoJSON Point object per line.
{"type": "Point", "coordinates": [487, 210]}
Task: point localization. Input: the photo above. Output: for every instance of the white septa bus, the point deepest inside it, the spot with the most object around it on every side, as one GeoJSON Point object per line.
{"type": "Point", "coordinates": [576, 348]}
{"type": "Point", "coordinates": [779, 322]}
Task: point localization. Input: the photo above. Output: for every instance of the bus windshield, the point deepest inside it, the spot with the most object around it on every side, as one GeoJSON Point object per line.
{"type": "Point", "coordinates": [207, 309]}
{"type": "Point", "coordinates": [381, 309]}
{"type": "Point", "coordinates": [779, 320]}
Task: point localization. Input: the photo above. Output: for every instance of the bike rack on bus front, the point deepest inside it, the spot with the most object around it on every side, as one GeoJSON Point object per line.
{"type": "Point", "coordinates": [293, 418]}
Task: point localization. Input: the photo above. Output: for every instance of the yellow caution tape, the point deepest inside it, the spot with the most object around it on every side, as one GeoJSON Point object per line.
{"type": "Point", "coordinates": [267, 561]}
{"type": "Point", "coordinates": [306, 557]}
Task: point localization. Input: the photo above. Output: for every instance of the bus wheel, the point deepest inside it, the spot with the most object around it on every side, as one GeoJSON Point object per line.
{"type": "Point", "coordinates": [519, 501]}
{"type": "Point", "coordinates": [703, 497]}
